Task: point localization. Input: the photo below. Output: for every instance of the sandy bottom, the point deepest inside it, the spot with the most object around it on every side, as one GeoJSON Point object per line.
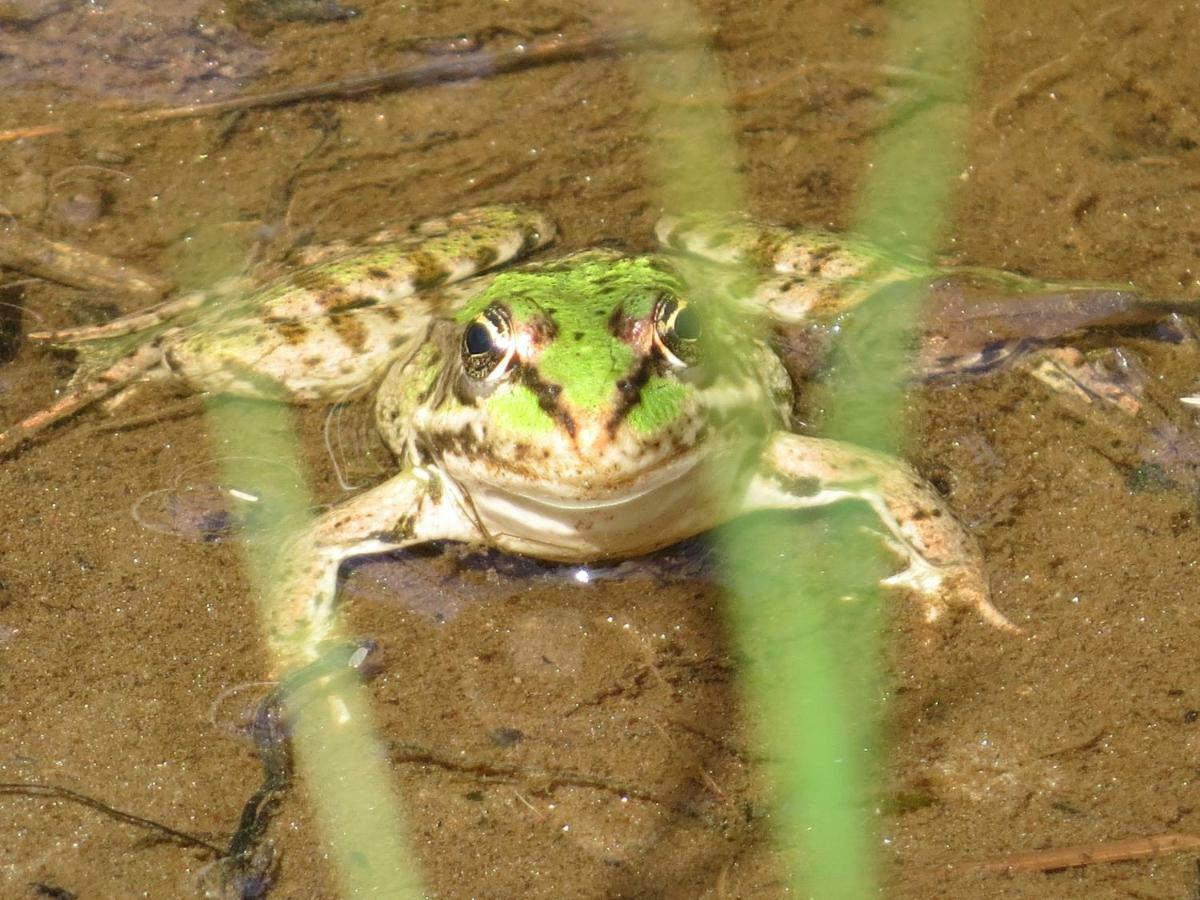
{"type": "Point", "coordinates": [552, 740]}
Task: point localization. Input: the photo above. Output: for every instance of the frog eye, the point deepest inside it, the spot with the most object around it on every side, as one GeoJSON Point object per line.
{"type": "Point", "coordinates": [677, 331]}
{"type": "Point", "coordinates": [487, 345]}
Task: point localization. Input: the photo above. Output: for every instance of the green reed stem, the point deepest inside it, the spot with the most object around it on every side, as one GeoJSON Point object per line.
{"type": "Point", "coordinates": [811, 659]}
{"type": "Point", "coordinates": [340, 761]}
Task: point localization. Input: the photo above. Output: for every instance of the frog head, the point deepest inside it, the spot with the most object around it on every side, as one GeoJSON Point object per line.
{"type": "Point", "coordinates": [586, 379]}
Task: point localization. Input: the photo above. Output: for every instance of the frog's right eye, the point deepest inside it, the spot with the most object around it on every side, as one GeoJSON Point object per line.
{"type": "Point", "coordinates": [487, 345]}
{"type": "Point", "coordinates": [677, 331]}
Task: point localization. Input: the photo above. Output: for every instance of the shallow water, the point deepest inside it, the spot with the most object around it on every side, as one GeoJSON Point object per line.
{"type": "Point", "coordinates": [558, 741]}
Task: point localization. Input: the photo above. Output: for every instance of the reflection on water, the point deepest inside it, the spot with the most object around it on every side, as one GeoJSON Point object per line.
{"type": "Point", "coordinates": [208, 511]}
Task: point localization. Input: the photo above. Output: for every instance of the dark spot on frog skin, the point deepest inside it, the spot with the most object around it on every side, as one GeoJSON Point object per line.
{"type": "Point", "coordinates": [819, 257]}
{"type": "Point", "coordinates": [629, 393]}
{"type": "Point", "coordinates": [797, 487]}
{"type": "Point", "coordinates": [485, 256]}
{"type": "Point", "coordinates": [547, 394]}
{"type": "Point", "coordinates": [764, 251]}
{"type": "Point", "coordinates": [543, 330]}
{"type": "Point", "coordinates": [378, 274]}
{"type": "Point", "coordinates": [351, 331]}
{"type": "Point", "coordinates": [346, 302]}
{"type": "Point", "coordinates": [459, 443]}
{"type": "Point", "coordinates": [293, 331]}
{"type": "Point", "coordinates": [616, 320]}
{"type": "Point", "coordinates": [921, 515]}
{"type": "Point", "coordinates": [435, 490]}
{"type": "Point", "coordinates": [318, 280]}
{"type": "Point", "coordinates": [578, 335]}
{"type": "Point", "coordinates": [401, 531]}
{"type": "Point", "coordinates": [427, 270]}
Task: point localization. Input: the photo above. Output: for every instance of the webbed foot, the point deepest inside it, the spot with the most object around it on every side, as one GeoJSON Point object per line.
{"type": "Point", "coordinates": [944, 565]}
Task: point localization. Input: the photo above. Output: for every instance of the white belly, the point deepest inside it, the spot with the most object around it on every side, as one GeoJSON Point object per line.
{"type": "Point", "coordinates": [662, 510]}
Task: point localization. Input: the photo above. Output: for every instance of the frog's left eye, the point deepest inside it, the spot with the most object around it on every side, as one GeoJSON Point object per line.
{"type": "Point", "coordinates": [487, 345]}
{"type": "Point", "coordinates": [677, 331]}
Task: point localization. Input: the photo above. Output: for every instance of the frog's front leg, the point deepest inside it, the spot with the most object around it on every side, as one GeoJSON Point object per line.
{"type": "Point", "coordinates": [945, 567]}
{"type": "Point", "coordinates": [417, 506]}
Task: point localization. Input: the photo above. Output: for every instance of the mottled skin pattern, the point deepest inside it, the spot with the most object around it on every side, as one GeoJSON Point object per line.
{"type": "Point", "coordinates": [312, 334]}
{"type": "Point", "coordinates": [595, 406]}
{"type": "Point", "coordinates": [599, 406]}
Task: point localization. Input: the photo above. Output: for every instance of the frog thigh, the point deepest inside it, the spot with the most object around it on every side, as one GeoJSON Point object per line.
{"type": "Point", "coordinates": [414, 507]}
{"type": "Point", "coordinates": [805, 274]}
{"type": "Point", "coordinates": [726, 238]}
{"type": "Point", "coordinates": [945, 567]}
{"type": "Point", "coordinates": [298, 360]}
{"type": "Point", "coordinates": [470, 242]}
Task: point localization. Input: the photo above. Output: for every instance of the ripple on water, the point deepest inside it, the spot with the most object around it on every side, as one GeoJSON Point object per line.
{"type": "Point", "coordinates": [207, 511]}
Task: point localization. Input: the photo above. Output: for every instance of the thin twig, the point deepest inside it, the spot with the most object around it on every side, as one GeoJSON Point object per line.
{"type": "Point", "coordinates": [480, 64]}
{"type": "Point", "coordinates": [27, 251]}
{"type": "Point", "coordinates": [35, 789]}
{"type": "Point", "coordinates": [1128, 850]}
{"type": "Point", "coordinates": [934, 85]}
{"type": "Point", "coordinates": [1045, 76]}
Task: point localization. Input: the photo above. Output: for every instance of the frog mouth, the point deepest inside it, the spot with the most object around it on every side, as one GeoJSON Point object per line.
{"type": "Point", "coordinates": [576, 522]}
{"type": "Point", "coordinates": [599, 493]}
{"type": "Point", "coordinates": [631, 489]}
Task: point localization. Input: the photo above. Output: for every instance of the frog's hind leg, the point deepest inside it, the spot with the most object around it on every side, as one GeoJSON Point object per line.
{"type": "Point", "coordinates": [459, 247]}
{"type": "Point", "coordinates": [131, 324]}
{"type": "Point", "coordinates": [805, 275]}
{"type": "Point", "coordinates": [120, 374]}
{"type": "Point", "coordinates": [945, 568]}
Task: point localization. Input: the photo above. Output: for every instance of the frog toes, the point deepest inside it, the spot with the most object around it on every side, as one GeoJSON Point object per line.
{"type": "Point", "coordinates": [938, 587]}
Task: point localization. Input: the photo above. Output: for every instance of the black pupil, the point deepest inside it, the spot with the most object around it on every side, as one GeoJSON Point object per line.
{"type": "Point", "coordinates": [687, 325]}
{"type": "Point", "coordinates": [477, 339]}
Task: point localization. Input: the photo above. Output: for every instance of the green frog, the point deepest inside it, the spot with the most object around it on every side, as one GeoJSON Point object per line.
{"type": "Point", "coordinates": [595, 406]}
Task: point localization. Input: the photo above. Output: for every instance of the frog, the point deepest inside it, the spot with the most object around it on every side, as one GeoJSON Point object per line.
{"type": "Point", "coordinates": [598, 405]}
